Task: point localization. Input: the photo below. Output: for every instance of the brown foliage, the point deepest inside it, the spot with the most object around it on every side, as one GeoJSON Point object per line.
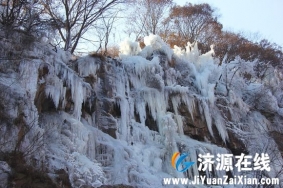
{"type": "Point", "coordinates": [112, 51]}
{"type": "Point", "coordinates": [194, 23]}
{"type": "Point", "coordinates": [232, 45]}
{"type": "Point", "coordinates": [97, 55]}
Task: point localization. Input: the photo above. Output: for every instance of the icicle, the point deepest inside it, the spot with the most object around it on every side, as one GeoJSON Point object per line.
{"type": "Point", "coordinates": [28, 76]}
{"type": "Point", "coordinates": [176, 101]}
{"type": "Point", "coordinates": [220, 125]}
{"type": "Point", "coordinates": [88, 66]}
{"type": "Point", "coordinates": [124, 107]}
{"type": "Point", "coordinates": [206, 113]}
{"type": "Point", "coordinates": [190, 103]}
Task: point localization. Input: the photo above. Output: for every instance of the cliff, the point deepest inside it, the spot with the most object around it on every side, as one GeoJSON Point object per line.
{"type": "Point", "coordinates": [93, 120]}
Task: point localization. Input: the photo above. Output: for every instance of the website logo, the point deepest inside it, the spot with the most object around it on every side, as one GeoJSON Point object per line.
{"type": "Point", "coordinates": [178, 160]}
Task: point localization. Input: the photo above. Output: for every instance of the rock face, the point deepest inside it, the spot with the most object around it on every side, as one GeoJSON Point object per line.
{"type": "Point", "coordinates": [278, 137]}
{"type": "Point", "coordinates": [5, 170]}
{"type": "Point", "coordinates": [104, 121]}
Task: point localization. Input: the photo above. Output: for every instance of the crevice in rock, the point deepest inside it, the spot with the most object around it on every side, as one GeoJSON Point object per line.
{"type": "Point", "coordinates": [149, 121]}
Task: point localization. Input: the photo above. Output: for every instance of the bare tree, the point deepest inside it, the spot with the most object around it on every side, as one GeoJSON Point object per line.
{"type": "Point", "coordinates": [107, 24]}
{"type": "Point", "coordinates": [194, 23]}
{"type": "Point", "coordinates": [148, 16]}
{"type": "Point", "coordinates": [73, 18]}
{"type": "Point", "coordinates": [11, 11]}
{"type": "Point", "coordinates": [20, 16]}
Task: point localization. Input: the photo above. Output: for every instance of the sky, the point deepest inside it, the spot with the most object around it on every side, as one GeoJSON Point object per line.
{"type": "Point", "coordinates": [261, 18]}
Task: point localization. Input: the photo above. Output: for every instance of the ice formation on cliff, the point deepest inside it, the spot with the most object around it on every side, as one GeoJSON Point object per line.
{"type": "Point", "coordinates": [146, 88]}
